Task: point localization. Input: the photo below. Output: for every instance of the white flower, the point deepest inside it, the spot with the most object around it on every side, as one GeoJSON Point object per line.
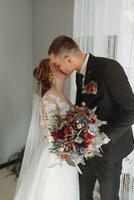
{"type": "Point", "coordinates": [50, 139]}
{"type": "Point", "coordinates": [79, 126]}
{"type": "Point", "coordinates": [61, 149]}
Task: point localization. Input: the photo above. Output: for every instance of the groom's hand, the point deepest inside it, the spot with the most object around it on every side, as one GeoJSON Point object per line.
{"type": "Point", "coordinates": [101, 140]}
{"type": "Point", "coordinates": [91, 152]}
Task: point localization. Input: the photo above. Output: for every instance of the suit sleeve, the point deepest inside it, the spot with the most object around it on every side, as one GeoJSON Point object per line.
{"type": "Point", "coordinates": [120, 90]}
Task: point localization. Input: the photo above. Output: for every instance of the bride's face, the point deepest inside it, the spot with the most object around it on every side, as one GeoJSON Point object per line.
{"type": "Point", "coordinates": [57, 73]}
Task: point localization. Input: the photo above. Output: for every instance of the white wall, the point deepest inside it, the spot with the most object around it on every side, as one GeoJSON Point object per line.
{"type": "Point", "coordinates": [51, 18]}
{"type": "Point", "coordinates": [25, 26]}
{"type": "Point", "coordinates": [15, 74]}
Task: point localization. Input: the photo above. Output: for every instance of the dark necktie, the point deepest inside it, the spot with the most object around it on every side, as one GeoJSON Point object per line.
{"type": "Point", "coordinates": [79, 77]}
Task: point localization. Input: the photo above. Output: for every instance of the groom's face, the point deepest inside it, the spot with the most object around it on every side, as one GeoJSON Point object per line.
{"type": "Point", "coordinates": [63, 63]}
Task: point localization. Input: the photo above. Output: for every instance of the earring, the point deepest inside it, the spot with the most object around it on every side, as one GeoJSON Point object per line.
{"type": "Point", "coordinates": [52, 79]}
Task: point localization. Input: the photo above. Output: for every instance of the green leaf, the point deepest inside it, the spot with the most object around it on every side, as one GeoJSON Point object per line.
{"type": "Point", "coordinates": [71, 163]}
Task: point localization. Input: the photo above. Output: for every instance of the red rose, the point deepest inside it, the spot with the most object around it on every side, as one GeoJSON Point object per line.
{"type": "Point", "coordinates": [70, 118]}
{"type": "Point", "coordinates": [64, 157]}
{"type": "Point", "coordinates": [87, 136]}
{"type": "Point", "coordinates": [61, 133]}
{"type": "Point", "coordinates": [91, 88]}
{"type": "Point", "coordinates": [66, 131]}
{"type": "Point", "coordinates": [55, 135]}
{"type": "Point", "coordinates": [93, 120]}
{"type": "Point", "coordinates": [70, 144]}
{"type": "Point", "coordinates": [84, 144]}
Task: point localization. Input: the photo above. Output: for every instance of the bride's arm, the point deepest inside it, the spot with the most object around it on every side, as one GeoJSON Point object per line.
{"type": "Point", "coordinates": [46, 115]}
{"type": "Point", "coordinates": [43, 119]}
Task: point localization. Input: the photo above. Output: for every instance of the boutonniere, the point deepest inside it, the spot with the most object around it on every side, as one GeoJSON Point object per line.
{"type": "Point", "coordinates": [90, 88]}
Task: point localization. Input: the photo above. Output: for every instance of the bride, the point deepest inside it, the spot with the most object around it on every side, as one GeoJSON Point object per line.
{"type": "Point", "coordinates": [39, 179]}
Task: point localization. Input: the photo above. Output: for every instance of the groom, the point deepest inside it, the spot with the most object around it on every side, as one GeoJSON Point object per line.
{"type": "Point", "coordinates": [101, 82]}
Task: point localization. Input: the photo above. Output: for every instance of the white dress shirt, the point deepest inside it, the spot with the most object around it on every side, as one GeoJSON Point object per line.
{"type": "Point", "coordinates": [84, 66]}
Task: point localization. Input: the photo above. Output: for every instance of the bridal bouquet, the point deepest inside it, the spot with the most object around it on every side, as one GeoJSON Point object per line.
{"type": "Point", "coordinates": [76, 135]}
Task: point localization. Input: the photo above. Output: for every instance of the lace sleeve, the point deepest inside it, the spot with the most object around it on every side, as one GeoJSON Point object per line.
{"type": "Point", "coordinates": [43, 118]}
{"type": "Point", "coordinates": [48, 108]}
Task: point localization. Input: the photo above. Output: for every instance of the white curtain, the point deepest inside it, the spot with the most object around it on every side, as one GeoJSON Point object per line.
{"type": "Point", "coordinates": [106, 28]}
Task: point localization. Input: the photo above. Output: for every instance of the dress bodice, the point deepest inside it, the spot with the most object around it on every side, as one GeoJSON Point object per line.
{"type": "Point", "coordinates": [51, 107]}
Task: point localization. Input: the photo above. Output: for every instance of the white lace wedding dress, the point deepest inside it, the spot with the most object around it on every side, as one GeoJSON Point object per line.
{"type": "Point", "coordinates": [42, 182]}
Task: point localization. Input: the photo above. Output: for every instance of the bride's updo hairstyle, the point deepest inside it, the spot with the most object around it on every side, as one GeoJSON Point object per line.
{"type": "Point", "coordinates": [42, 75]}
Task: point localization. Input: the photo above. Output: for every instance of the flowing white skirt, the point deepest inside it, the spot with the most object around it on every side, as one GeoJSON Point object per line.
{"type": "Point", "coordinates": [42, 182]}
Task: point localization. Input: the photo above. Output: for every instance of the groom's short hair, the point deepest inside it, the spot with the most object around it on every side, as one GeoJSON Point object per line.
{"type": "Point", "coordinates": [63, 44]}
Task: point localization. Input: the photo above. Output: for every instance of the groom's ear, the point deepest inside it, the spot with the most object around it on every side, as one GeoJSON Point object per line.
{"type": "Point", "coordinates": [68, 59]}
